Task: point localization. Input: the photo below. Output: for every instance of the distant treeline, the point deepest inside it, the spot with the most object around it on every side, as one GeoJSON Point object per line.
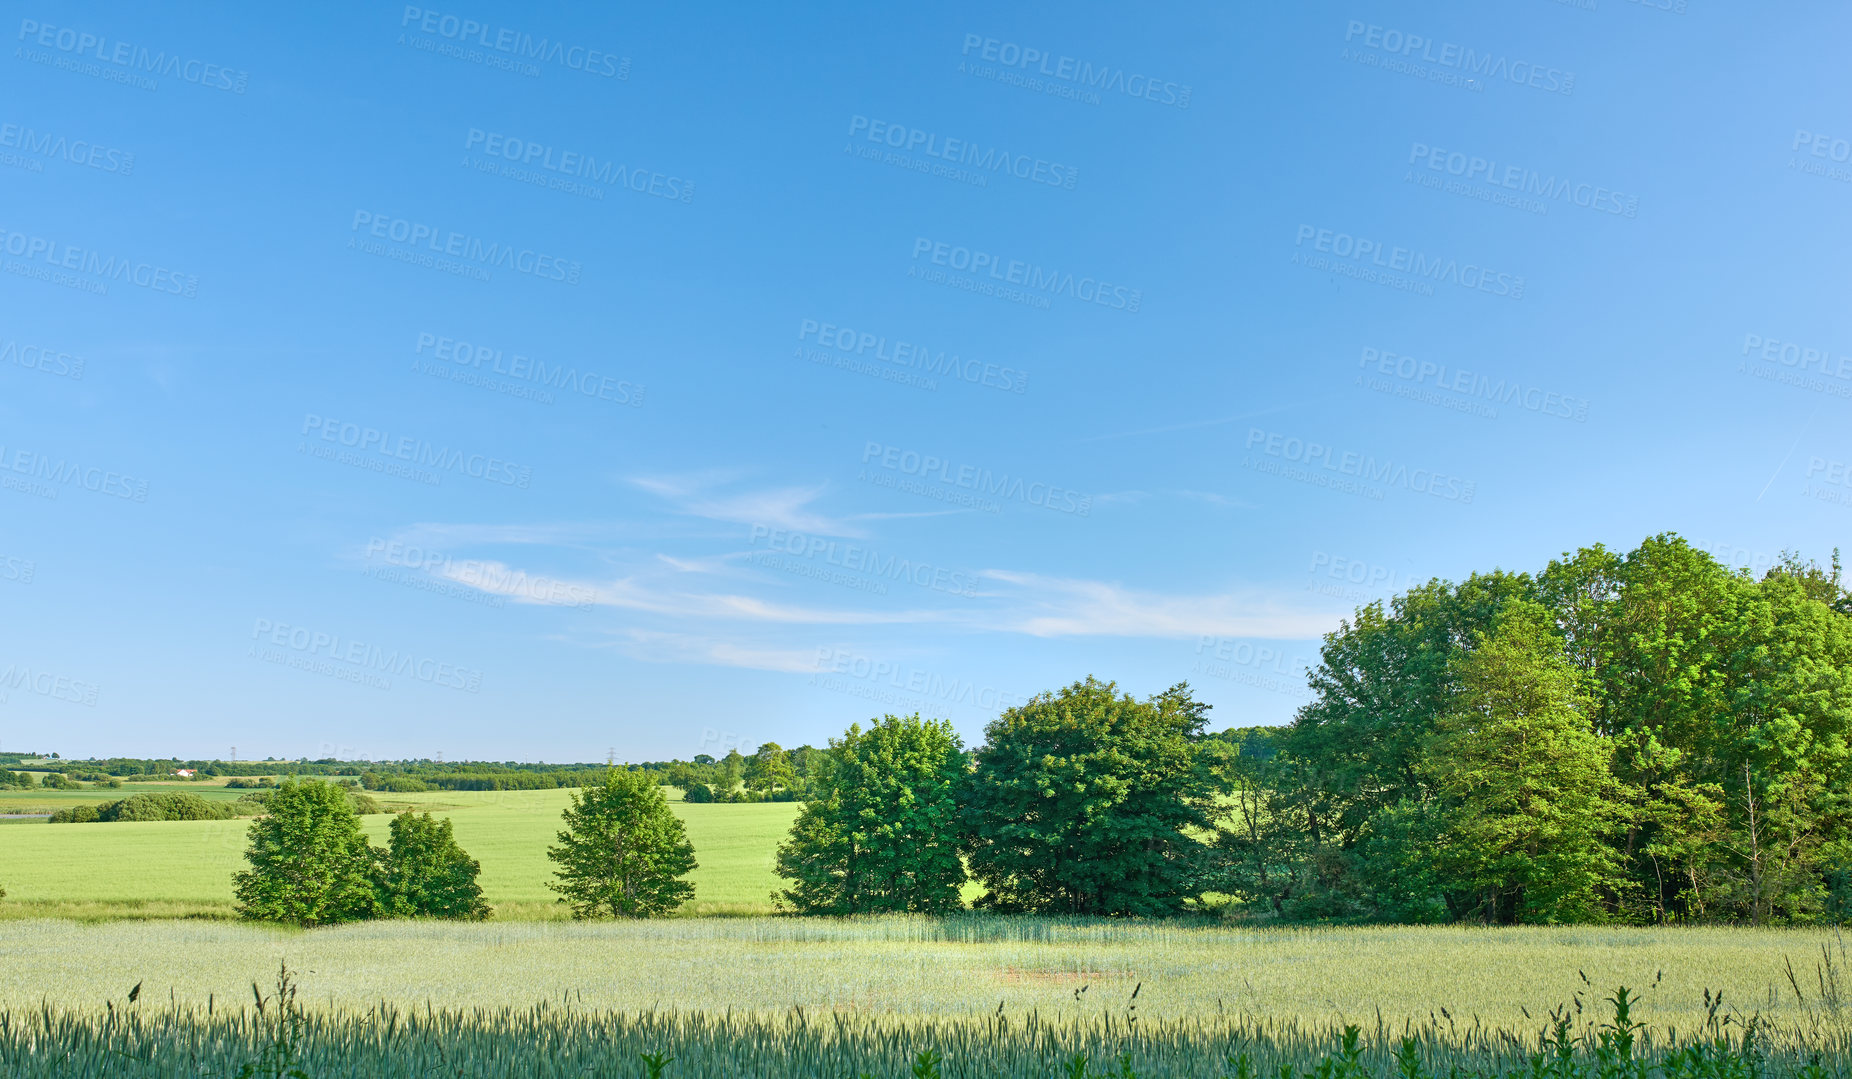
{"type": "Point", "coordinates": [770, 774]}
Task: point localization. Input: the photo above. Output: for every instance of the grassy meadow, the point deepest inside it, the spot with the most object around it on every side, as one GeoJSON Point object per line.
{"type": "Point", "coordinates": [184, 868]}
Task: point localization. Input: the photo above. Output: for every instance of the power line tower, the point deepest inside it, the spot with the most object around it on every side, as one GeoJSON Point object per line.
{"type": "Point", "coordinates": [610, 757]}
{"type": "Point", "coordinates": [234, 759]}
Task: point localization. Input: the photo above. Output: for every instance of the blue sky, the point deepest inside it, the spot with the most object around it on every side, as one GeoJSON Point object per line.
{"type": "Point", "coordinates": [528, 382]}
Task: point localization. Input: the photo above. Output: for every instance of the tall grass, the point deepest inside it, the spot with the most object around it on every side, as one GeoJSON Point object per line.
{"type": "Point", "coordinates": [274, 1036]}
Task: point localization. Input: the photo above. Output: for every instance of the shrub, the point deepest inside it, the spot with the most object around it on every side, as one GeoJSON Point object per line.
{"type": "Point", "coordinates": [310, 864]}
{"type": "Point", "coordinates": [165, 806]}
{"type": "Point", "coordinates": [698, 792]}
{"type": "Point", "coordinates": [147, 807]}
{"type": "Point", "coordinates": [425, 873]}
{"type": "Point", "coordinates": [57, 781]}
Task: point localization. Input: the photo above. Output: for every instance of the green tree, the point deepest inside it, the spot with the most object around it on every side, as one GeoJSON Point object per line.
{"type": "Point", "coordinates": [425, 874]}
{"type": "Point", "coordinates": [769, 769]}
{"type": "Point", "coordinates": [882, 832]}
{"type": "Point", "coordinates": [727, 775]}
{"type": "Point", "coordinates": [1524, 780]}
{"type": "Point", "coordinates": [310, 864]}
{"type": "Point", "coordinates": [623, 852]}
{"type": "Point", "coordinates": [1083, 802]}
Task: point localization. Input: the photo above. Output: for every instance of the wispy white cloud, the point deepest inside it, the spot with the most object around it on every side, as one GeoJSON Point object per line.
{"type": "Point", "coordinates": [652, 646]}
{"type": "Point", "coordinates": [1043, 606]}
{"type": "Point", "coordinates": [777, 507]}
{"type": "Point", "coordinates": [637, 594]}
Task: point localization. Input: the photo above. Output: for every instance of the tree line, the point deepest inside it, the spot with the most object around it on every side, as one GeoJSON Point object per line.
{"type": "Point", "coordinates": [1645, 737]}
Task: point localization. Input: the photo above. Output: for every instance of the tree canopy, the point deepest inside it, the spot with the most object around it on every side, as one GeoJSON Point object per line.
{"type": "Point", "coordinates": [623, 852]}
{"type": "Point", "coordinates": [882, 830]}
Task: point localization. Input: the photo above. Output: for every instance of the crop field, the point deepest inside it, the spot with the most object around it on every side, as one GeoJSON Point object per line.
{"type": "Point", "coordinates": [789, 996]}
{"type": "Point", "coordinates": [184, 868]}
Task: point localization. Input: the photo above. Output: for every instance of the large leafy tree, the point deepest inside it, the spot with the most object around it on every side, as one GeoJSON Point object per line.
{"type": "Point", "coordinates": [769, 769]}
{"type": "Point", "coordinates": [425, 874]}
{"type": "Point", "coordinates": [1084, 802]}
{"type": "Point", "coordinates": [1349, 774]}
{"type": "Point", "coordinates": [623, 852]}
{"type": "Point", "coordinates": [1525, 790]}
{"type": "Point", "coordinates": [309, 862]}
{"type": "Point", "coordinates": [882, 832]}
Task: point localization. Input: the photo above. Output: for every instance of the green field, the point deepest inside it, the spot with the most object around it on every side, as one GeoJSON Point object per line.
{"type": "Point", "coordinates": [802, 997]}
{"type": "Point", "coordinates": [922, 967]}
{"type": "Point", "coordinates": [184, 868]}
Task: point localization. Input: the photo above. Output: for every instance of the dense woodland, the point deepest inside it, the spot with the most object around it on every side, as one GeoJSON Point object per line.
{"type": "Point", "coordinates": [1645, 737]}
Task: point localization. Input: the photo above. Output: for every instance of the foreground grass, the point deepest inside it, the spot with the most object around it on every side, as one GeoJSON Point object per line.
{"type": "Point", "coordinates": [565, 1040]}
{"type": "Point", "coordinates": [157, 869]}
